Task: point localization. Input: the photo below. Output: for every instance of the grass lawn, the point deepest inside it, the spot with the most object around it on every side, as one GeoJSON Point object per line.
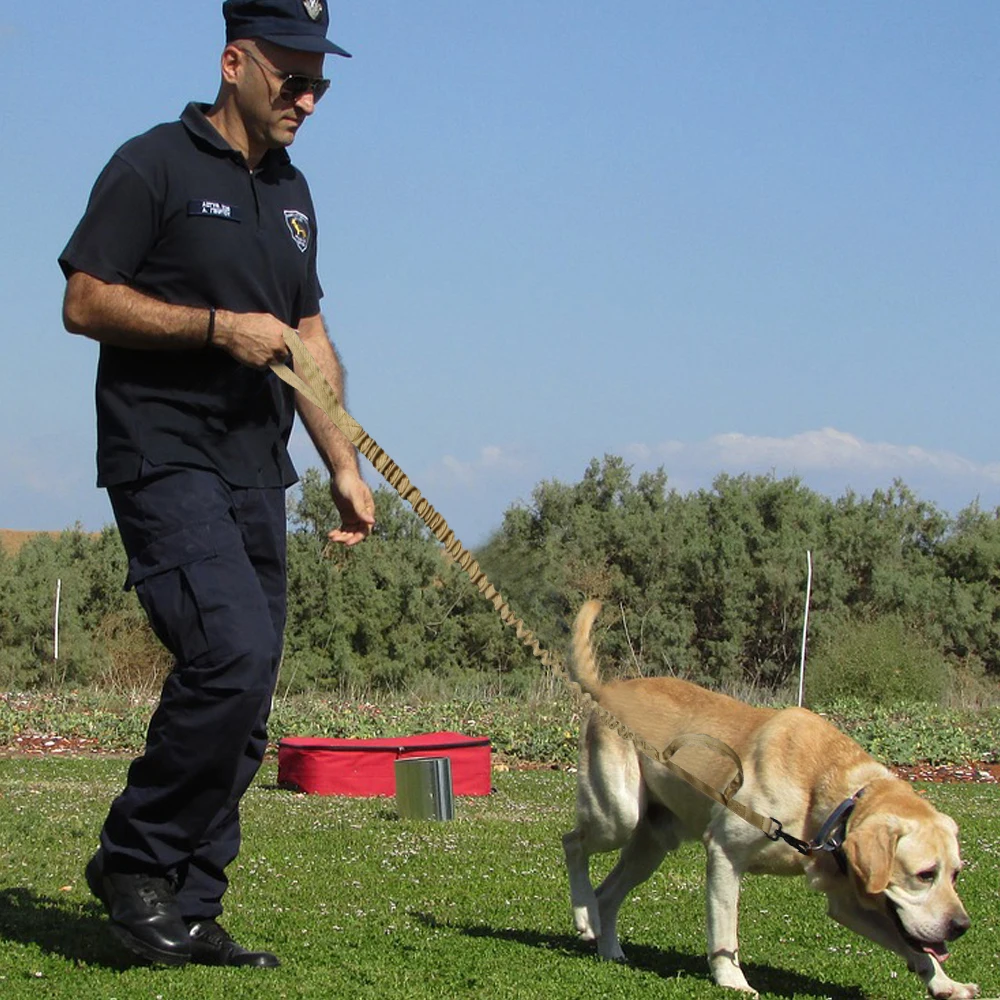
{"type": "Point", "coordinates": [359, 904]}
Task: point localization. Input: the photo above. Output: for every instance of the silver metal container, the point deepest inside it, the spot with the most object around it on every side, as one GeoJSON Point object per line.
{"type": "Point", "coordinates": [423, 788]}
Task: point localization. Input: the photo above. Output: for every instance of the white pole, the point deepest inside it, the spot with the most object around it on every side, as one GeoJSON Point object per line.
{"type": "Point", "coordinates": [55, 627]}
{"type": "Point", "coordinates": [805, 625]}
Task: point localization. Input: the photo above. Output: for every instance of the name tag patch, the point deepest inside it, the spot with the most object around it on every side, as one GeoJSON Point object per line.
{"type": "Point", "coordinates": [213, 209]}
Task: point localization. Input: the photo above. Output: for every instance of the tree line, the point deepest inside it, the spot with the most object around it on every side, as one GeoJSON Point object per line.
{"type": "Point", "coordinates": [708, 585]}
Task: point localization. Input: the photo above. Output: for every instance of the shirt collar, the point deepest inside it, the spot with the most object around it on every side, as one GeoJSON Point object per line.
{"type": "Point", "coordinates": [194, 120]}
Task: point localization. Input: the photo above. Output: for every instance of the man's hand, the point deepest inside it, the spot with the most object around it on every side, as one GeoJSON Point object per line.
{"type": "Point", "coordinates": [356, 506]}
{"type": "Point", "coordinates": [254, 339]}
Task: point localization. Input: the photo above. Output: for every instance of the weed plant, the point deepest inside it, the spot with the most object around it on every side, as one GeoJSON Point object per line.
{"type": "Point", "coordinates": [539, 729]}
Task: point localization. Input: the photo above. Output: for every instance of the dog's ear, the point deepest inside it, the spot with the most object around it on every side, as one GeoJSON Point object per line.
{"type": "Point", "coordinates": [870, 851]}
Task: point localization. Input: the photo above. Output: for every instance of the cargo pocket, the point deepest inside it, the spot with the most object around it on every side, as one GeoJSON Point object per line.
{"type": "Point", "coordinates": [162, 577]}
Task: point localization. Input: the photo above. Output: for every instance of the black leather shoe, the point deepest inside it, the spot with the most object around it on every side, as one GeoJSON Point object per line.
{"type": "Point", "coordinates": [212, 945]}
{"type": "Point", "coordinates": [143, 911]}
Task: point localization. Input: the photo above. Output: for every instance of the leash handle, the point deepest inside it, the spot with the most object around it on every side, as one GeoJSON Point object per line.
{"type": "Point", "coordinates": [309, 380]}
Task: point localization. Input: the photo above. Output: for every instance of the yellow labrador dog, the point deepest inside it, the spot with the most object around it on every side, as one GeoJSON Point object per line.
{"type": "Point", "coordinates": [890, 876]}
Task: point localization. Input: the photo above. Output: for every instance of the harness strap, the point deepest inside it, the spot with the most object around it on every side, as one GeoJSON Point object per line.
{"type": "Point", "coordinates": [309, 380]}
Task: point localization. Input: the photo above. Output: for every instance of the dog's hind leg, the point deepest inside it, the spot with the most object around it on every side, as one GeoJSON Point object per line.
{"type": "Point", "coordinates": [581, 892]}
{"type": "Point", "coordinates": [609, 806]}
{"type": "Point", "coordinates": [652, 839]}
{"type": "Point", "coordinates": [604, 823]}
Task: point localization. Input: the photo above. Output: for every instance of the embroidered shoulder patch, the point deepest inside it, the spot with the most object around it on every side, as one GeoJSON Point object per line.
{"type": "Point", "coordinates": [298, 226]}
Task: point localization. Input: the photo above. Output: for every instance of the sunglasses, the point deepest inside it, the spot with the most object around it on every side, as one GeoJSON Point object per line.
{"type": "Point", "coordinates": [293, 85]}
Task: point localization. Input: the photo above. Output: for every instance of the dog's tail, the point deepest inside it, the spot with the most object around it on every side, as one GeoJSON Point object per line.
{"type": "Point", "coordinates": [582, 666]}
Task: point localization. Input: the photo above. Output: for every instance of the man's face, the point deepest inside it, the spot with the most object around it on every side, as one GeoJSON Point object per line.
{"type": "Point", "coordinates": [270, 114]}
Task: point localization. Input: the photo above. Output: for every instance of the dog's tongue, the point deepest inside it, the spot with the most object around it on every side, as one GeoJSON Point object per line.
{"type": "Point", "coordinates": [939, 950]}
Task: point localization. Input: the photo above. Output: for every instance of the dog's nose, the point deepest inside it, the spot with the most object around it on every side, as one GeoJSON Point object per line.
{"type": "Point", "coordinates": [959, 925]}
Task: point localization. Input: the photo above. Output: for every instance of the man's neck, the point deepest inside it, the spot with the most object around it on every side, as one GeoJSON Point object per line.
{"type": "Point", "coordinates": [227, 121]}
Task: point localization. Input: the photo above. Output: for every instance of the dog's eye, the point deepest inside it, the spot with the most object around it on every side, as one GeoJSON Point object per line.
{"type": "Point", "coordinates": [928, 875]}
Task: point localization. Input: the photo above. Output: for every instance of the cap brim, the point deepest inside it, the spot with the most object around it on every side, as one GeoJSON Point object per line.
{"type": "Point", "coordinates": [306, 43]}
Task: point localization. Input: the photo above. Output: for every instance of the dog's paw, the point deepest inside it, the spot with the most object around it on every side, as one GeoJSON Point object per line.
{"type": "Point", "coordinates": [951, 990]}
{"type": "Point", "coordinates": [743, 987]}
{"type": "Point", "coordinates": [611, 951]}
{"type": "Point", "coordinates": [584, 925]}
{"type": "Point", "coordinates": [726, 972]}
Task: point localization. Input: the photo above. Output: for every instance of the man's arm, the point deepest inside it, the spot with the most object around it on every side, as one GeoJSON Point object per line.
{"type": "Point", "coordinates": [124, 317]}
{"type": "Point", "coordinates": [350, 492]}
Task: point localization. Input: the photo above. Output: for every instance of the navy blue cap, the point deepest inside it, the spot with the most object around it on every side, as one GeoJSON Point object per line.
{"type": "Point", "coordinates": [293, 24]}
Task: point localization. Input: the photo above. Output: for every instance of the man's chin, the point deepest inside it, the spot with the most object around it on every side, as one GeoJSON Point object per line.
{"type": "Point", "coordinates": [282, 137]}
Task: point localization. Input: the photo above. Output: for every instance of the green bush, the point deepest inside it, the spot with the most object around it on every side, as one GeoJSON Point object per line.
{"type": "Point", "coordinates": [708, 585]}
{"type": "Point", "coordinates": [883, 661]}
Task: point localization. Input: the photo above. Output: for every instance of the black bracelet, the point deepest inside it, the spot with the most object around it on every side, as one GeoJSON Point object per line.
{"type": "Point", "coordinates": [211, 326]}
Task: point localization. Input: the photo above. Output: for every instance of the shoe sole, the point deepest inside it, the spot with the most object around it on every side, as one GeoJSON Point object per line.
{"type": "Point", "coordinates": [148, 952]}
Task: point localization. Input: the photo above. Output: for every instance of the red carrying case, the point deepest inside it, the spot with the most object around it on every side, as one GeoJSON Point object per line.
{"type": "Point", "coordinates": [324, 766]}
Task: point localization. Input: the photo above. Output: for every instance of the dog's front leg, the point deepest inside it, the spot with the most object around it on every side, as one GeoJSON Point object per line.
{"type": "Point", "coordinates": [879, 929]}
{"type": "Point", "coordinates": [722, 912]}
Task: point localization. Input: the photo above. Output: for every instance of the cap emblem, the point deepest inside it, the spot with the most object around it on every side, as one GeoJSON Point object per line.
{"type": "Point", "coordinates": [314, 8]}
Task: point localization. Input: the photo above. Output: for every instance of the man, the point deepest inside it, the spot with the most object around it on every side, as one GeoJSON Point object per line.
{"type": "Point", "coordinates": [197, 251]}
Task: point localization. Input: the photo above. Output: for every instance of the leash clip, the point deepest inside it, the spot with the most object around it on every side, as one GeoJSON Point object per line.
{"type": "Point", "coordinates": [779, 834]}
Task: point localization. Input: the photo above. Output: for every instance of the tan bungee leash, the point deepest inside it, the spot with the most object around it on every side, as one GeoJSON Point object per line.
{"type": "Point", "coordinates": [312, 383]}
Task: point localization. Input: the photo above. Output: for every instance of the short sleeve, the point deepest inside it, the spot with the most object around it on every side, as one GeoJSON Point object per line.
{"type": "Point", "coordinates": [312, 292]}
{"type": "Point", "coordinates": [118, 229]}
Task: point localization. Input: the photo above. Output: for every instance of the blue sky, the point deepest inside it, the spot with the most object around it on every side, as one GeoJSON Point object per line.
{"type": "Point", "coordinates": [709, 236]}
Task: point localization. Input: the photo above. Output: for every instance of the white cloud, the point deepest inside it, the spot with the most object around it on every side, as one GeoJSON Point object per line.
{"type": "Point", "coordinates": [44, 464]}
{"type": "Point", "coordinates": [474, 492]}
{"type": "Point", "coordinates": [829, 454]}
{"type": "Point", "coordinates": [826, 449]}
{"type": "Point", "coordinates": [492, 463]}
{"type": "Point", "coordinates": [459, 472]}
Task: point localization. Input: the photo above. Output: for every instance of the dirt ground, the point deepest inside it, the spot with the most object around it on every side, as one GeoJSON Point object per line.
{"type": "Point", "coordinates": [12, 541]}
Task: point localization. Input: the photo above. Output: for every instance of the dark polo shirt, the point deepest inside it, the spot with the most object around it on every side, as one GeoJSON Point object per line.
{"type": "Point", "coordinates": [177, 214]}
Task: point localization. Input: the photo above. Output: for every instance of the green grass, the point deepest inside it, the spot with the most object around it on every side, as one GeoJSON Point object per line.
{"type": "Point", "coordinates": [361, 905]}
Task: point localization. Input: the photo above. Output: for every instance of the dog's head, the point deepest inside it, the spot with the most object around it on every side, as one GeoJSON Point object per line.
{"type": "Point", "coordinates": [904, 859]}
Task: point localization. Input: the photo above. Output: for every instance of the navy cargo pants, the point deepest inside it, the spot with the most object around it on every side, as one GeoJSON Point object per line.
{"type": "Point", "coordinates": [207, 561]}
